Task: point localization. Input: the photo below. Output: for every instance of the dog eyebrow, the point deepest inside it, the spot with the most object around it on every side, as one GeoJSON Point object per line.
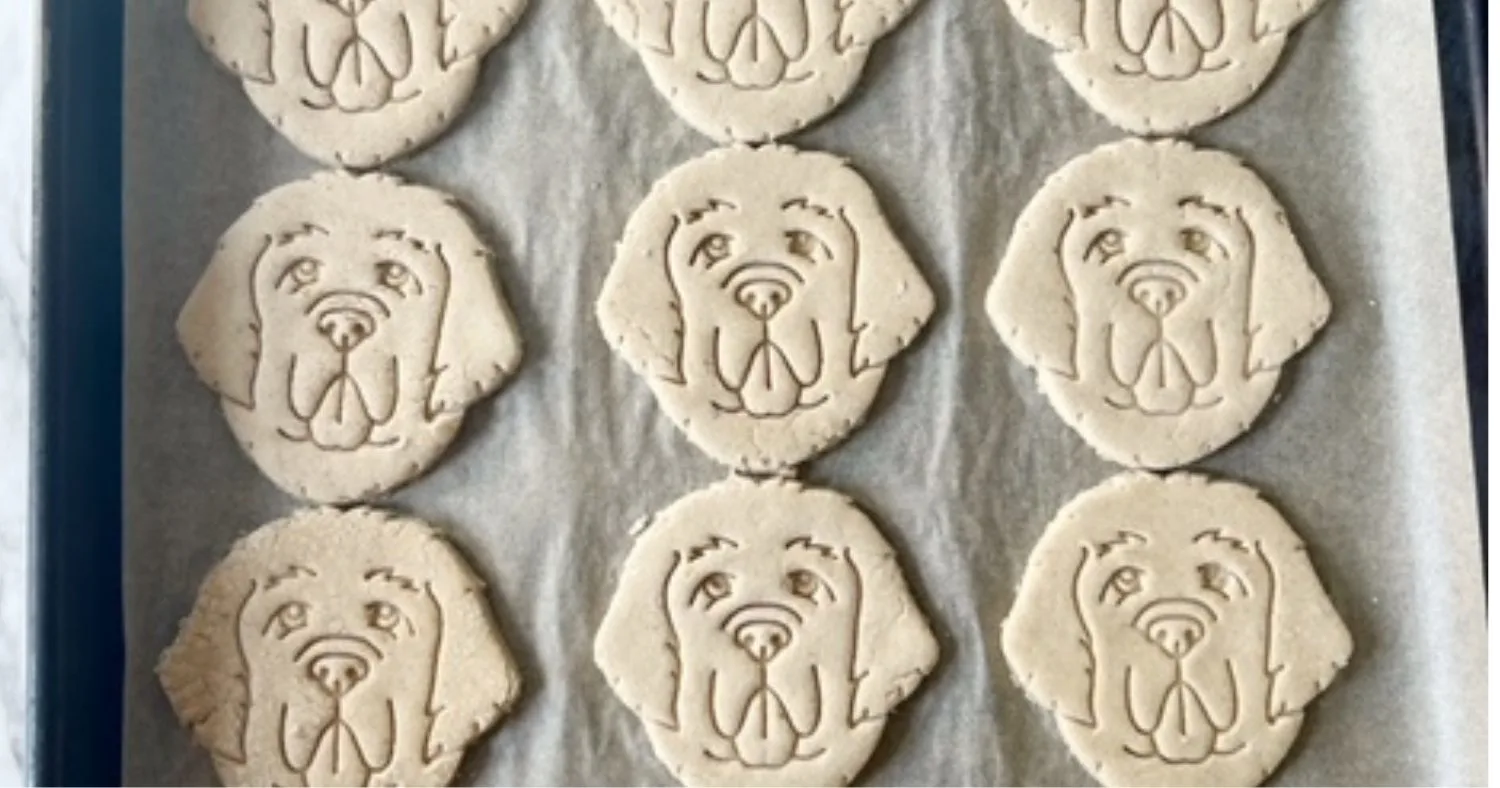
{"type": "Point", "coordinates": [386, 574]}
{"type": "Point", "coordinates": [1109, 201]}
{"type": "Point", "coordinates": [688, 217]}
{"type": "Point", "coordinates": [307, 228]}
{"type": "Point", "coordinates": [1122, 539]}
{"type": "Point", "coordinates": [291, 573]}
{"type": "Point", "coordinates": [1218, 536]}
{"type": "Point", "coordinates": [804, 203]}
{"type": "Point", "coordinates": [398, 234]}
{"type": "Point", "coordinates": [806, 543]}
{"type": "Point", "coordinates": [714, 543]}
{"type": "Point", "coordinates": [1198, 201]}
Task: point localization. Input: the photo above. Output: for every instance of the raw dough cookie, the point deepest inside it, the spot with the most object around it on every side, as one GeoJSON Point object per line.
{"type": "Point", "coordinates": [1176, 629]}
{"type": "Point", "coordinates": [1157, 290]}
{"type": "Point", "coordinates": [761, 294]}
{"type": "Point", "coordinates": [753, 71]}
{"type": "Point", "coordinates": [346, 323]}
{"type": "Point", "coordinates": [1164, 66]}
{"type": "Point", "coordinates": [762, 632]}
{"type": "Point", "coordinates": [355, 83]}
{"type": "Point", "coordinates": [339, 648]}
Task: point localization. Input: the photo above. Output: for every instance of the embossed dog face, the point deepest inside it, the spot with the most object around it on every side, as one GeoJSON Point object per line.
{"type": "Point", "coordinates": [1164, 66]}
{"type": "Point", "coordinates": [762, 631]}
{"type": "Point", "coordinates": [761, 294]}
{"type": "Point", "coordinates": [339, 649]}
{"type": "Point", "coordinates": [347, 323]}
{"type": "Point", "coordinates": [1176, 628]}
{"type": "Point", "coordinates": [753, 71]}
{"type": "Point", "coordinates": [1157, 290]}
{"type": "Point", "coordinates": [355, 83]}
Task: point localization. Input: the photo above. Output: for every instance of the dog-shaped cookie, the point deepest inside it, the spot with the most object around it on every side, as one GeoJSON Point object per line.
{"type": "Point", "coordinates": [339, 648]}
{"type": "Point", "coordinates": [762, 632]}
{"type": "Point", "coordinates": [346, 322]}
{"type": "Point", "coordinates": [1157, 290]}
{"type": "Point", "coordinates": [761, 294]}
{"type": "Point", "coordinates": [1176, 629]}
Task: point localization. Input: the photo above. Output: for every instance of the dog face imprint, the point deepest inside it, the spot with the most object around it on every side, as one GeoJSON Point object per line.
{"type": "Point", "coordinates": [1157, 290]}
{"type": "Point", "coordinates": [346, 322]}
{"type": "Point", "coordinates": [1176, 629]}
{"type": "Point", "coordinates": [355, 83]}
{"type": "Point", "coordinates": [762, 631]}
{"type": "Point", "coordinates": [761, 294]}
{"type": "Point", "coordinates": [339, 648]}
{"type": "Point", "coordinates": [753, 70]}
{"type": "Point", "coordinates": [1164, 66]}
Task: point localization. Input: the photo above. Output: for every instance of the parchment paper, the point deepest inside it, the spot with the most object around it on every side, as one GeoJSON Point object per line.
{"type": "Point", "coordinates": [959, 118]}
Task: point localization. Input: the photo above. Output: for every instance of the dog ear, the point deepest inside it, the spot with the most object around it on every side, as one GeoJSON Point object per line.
{"type": "Point", "coordinates": [479, 345]}
{"type": "Point", "coordinates": [644, 24]}
{"type": "Point", "coordinates": [1287, 302]}
{"type": "Point", "coordinates": [1045, 641]}
{"type": "Point", "coordinates": [892, 301]}
{"type": "Point", "coordinates": [894, 648]}
{"type": "Point", "coordinates": [635, 648]}
{"type": "Point", "coordinates": [1279, 16]}
{"type": "Point", "coordinates": [219, 327]}
{"type": "Point", "coordinates": [638, 308]}
{"type": "Point", "coordinates": [238, 33]}
{"type": "Point", "coordinates": [473, 27]}
{"type": "Point", "coordinates": [477, 679]}
{"type": "Point", "coordinates": [1309, 643]}
{"type": "Point", "coordinates": [203, 673]}
{"type": "Point", "coordinates": [1058, 22]}
{"type": "Point", "coordinates": [1029, 302]}
{"type": "Point", "coordinates": [865, 21]}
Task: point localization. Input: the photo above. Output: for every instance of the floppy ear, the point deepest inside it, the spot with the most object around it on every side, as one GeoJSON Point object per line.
{"type": "Point", "coordinates": [865, 21]}
{"type": "Point", "coordinates": [1044, 640]}
{"type": "Point", "coordinates": [1030, 302]}
{"type": "Point", "coordinates": [473, 27]}
{"type": "Point", "coordinates": [467, 700]}
{"type": "Point", "coordinates": [638, 308]}
{"type": "Point", "coordinates": [1287, 302]}
{"type": "Point", "coordinates": [644, 24]}
{"type": "Point", "coordinates": [1277, 16]}
{"type": "Point", "coordinates": [892, 301]}
{"type": "Point", "coordinates": [479, 345]}
{"type": "Point", "coordinates": [1058, 22]}
{"type": "Point", "coordinates": [894, 648]}
{"type": "Point", "coordinates": [1309, 642]}
{"type": "Point", "coordinates": [237, 32]}
{"type": "Point", "coordinates": [219, 326]}
{"type": "Point", "coordinates": [204, 675]}
{"type": "Point", "coordinates": [635, 648]}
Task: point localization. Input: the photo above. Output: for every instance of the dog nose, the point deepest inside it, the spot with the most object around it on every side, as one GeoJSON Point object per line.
{"type": "Point", "coordinates": [346, 328]}
{"type": "Point", "coordinates": [1157, 294]}
{"type": "Point", "coordinates": [1175, 634]}
{"type": "Point", "coordinates": [338, 673]}
{"type": "Point", "coordinates": [763, 297]}
{"type": "Point", "coordinates": [763, 640]}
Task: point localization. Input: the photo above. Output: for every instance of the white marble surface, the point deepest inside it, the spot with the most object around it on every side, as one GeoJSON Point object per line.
{"type": "Point", "coordinates": [18, 93]}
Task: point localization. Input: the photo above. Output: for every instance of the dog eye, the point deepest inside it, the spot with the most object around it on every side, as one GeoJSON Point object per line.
{"type": "Point", "coordinates": [1107, 244]}
{"type": "Point", "coordinates": [288, 618]}
{"type": "Point", "coordinates": [804, 244]}
{"type": "Point", "coordinates": [713, 249]}
{"type": "Point", "coordinates": [1124, 583]}
{"type": "Point", "coordinates": [1224, 582]}
{"type": "Point", "coordinates": [1196, 241]}
{"type": "Point", "coordinates": [383, 616]}
{"type": "Point", "coordinates": [302, 272]}
{"type": "Point", "coordinates": [398, 277]}
{"type": "Point", "coordinates": [714, 588]}
{"type": "Point", "coordinates": [803, 583]}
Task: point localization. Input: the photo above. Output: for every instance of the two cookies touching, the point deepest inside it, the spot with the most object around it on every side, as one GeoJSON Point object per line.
{"type": "Point", "coordinates": [762, 630]}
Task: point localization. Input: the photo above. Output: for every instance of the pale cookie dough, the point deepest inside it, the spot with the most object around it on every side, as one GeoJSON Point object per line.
{"type": "Point", "coordinates": [753, 71]}
{"type": "Point", "coordinates": [1164, 66]}
{"type": "Point", "coordinates": [1176, 629]}
{"type": "Point", "coordinates": [355, 83]}
{"type": "Point", "coordinates": [346, 323]}
{"type": "Point", "coordinates": [339, 648]}
{"type": "Point", "coordinates": [1157, 290]}
{"type": "Point", "coordinates": [761, 294]}
{"type": "Point", "coordinates": [762, 631]}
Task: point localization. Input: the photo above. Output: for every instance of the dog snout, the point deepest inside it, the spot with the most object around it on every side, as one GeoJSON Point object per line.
{"type": "Point", "coordinates": [1176, 626]}
{"type": "Point", "coordinates": [338, 673]}
{"type": "Point", "coordinates": [346, 327]}
{"type": "Point", "coordinates": [763, 640]}
{"type": "Point", "coordinates": [1158, 295]}
{"type": "Point", "coordinates": [763, 297]}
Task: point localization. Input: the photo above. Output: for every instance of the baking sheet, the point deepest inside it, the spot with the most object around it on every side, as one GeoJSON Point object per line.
{"type": "Point", "coordinates": [959, 118]}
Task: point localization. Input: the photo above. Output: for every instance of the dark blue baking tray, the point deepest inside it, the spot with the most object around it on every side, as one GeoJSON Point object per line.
{"type": "Point", "coordinates": [76, 605]}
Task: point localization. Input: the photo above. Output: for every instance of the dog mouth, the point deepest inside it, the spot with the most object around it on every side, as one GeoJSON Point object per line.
{"type": "Point", "coordinates": [1183, 711]}
{"type": "Point", "coordinates": [332, 736]}
{"type": "Point", "coordinates": [1162, 360]}
{"type": "Point", "coordinates": [750, 44]}
{"type": "Point", "coordinates": [1170, 40]}
{"type": "Point", "coordinates": [358, 56]}
{"type": "Point", "coordinates": [764, 709]}
{"type": "Point", "coordinates": [770, 351]}
{"type": "Point", "coordinates": [343, 385]}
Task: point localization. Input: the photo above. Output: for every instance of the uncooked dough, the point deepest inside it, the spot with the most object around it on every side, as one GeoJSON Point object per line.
{"type": "Point", "coordinates": [355, 83]}
{"type": "Point", "coordinates": [1157, 290]}
{"type": "Point", "coordinates": [1164, 66]}
{"type": "Point", "coordinates": [762, 631]}
{"type": "Point", "coordinates": [761, 294]}
{"type": "Point", "coordinates": [1176, 629]}
{"type": "Point", "coordinates": [346, 322]}
{"type": "Point", "coordinates": [339, 648]}
{"type": "Point", "coordinates": [753, 71]}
